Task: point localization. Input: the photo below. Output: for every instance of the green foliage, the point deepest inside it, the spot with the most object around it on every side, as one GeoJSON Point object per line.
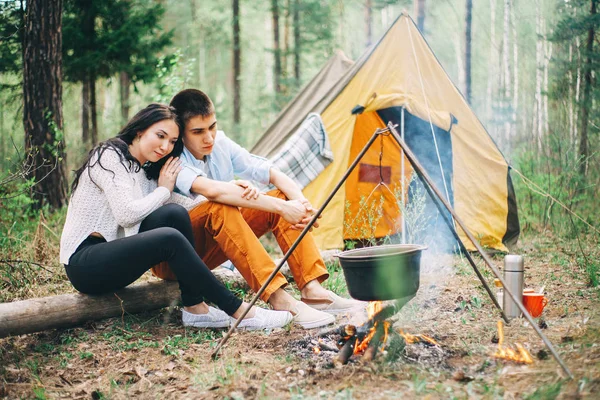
{"type": "Point", "coordinates": [11, 35]}
{"type": "Point", "coordinates": [557, 176]}
{"type": "Point", "coordinates": [172, 75]}
{"type": "Point", "coordinates": [102, 38]}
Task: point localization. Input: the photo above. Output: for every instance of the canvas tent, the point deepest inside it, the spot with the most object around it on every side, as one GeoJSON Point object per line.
{"type": "Point", "coordinates": [400, 80]}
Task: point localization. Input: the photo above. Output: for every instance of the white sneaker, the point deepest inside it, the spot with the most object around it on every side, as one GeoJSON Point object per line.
{"type": "Point", "coordinates": [215, 318]}
{"type": "Point", "coordinates": [264, 319]}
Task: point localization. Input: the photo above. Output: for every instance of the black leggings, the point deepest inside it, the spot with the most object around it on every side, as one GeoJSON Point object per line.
{"type": "Point", "coordinates": [98, 266]}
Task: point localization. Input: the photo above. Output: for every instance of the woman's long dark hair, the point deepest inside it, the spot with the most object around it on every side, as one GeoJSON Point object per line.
{"type": "Point", "coordinates": [141, 121]}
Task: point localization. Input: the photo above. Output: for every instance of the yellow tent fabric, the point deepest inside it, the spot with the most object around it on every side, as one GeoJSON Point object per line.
{"type": "Point", "coordinates": [402, 71]}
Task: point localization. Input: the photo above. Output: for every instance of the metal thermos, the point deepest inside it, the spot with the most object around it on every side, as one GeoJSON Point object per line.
{"type": "Point", "coordinates": [513, 276]}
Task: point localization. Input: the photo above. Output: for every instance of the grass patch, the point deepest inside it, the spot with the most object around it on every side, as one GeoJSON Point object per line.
{"type": "Point", "coordinates": [547, 392]}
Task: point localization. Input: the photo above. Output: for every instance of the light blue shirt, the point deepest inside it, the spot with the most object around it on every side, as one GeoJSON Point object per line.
{"type": "Point", "coordinates": [227, 161]}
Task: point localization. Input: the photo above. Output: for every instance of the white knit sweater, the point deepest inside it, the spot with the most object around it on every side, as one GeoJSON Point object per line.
{"type": "Point", "coordinates": [113, 202]}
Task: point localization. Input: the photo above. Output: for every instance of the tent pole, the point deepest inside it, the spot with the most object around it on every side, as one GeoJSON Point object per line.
{"type": "Point", "coordinates": [307, 229]}
{"type": "Point", "coordinates": [424, 176]}
{"type": "Point", "coordinates": [403, 182]}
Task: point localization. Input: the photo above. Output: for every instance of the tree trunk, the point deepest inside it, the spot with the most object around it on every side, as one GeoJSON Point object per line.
{"type": "Point", "coordinates": [297, 42]}
{"type": "Point", "coordinates": [420, 12]}
{"type": "Point", "coordinates": [492, 66]}
{"type": "Point", "coordinates": [276, 46]}
{"type": "Point", "coordinates": [93, 109]}
{"type": "Point", "coordinates": [547, 58]}
{"type": "Point", "coordinates": [236, 63]}
{"type": "Point", "coordinates": [85, 112]}
{"type": "Point", "coordinates": [507, 81]}
{"type": "Point", "coordinates": [124, 86]}
{"type": "Point", "coordinates": [42, 101]}
{"type": "Point", "coordinates": [515, 105]}
{"type": "Point", "coordinates": [584, 151]}
{"type": "Point", "coordinates": [369, 22]}
{"type": "Point", "coordinates": [89, 33]}
{"type": "Point", "coordinates": [537, 112]}
{"type": "Point", "coordinates": [460, 62]}
{"type": "Point", "coordinates": [468, 20]}
{"type": "Point", "coordinates": [286, 47]}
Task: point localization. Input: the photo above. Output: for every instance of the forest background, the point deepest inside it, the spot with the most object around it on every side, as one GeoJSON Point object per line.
{"type": "Point", "coordinates": [528, 68]}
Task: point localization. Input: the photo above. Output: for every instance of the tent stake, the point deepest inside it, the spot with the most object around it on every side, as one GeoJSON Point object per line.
{"type": "Point", "coordinates": [307, 229]}
{"type": "Point", "coordinates": [424, 176]}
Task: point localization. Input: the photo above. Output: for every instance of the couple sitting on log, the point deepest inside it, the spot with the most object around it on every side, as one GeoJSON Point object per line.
{"type": "Point", "coordinates": [162, 194]}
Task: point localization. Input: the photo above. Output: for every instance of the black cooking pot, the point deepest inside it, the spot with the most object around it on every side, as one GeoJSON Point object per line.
{"type": "Point", "coordinates": [382, 272]}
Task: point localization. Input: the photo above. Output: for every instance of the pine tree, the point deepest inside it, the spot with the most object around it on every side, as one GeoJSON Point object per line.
{"type": "Point", "coordinates": [579, 23]}
{"type": "Point", "coordinates": [104, 38]}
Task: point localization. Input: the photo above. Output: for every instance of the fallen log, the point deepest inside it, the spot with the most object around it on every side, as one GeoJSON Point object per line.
{"type": "Point", "coordinates": [68, 310]}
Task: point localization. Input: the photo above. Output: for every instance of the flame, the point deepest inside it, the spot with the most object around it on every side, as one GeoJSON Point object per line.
{"type": "Point", "coordinates": [362, 346]}
{"type": "Point", "coordinates": [520, 355]}
{"type": "Point", "coordinates": [410, 339]}
{"type": "Point", "coordinates": [316, 350]}
{"type": "Point", "coordinates": [372, 309]}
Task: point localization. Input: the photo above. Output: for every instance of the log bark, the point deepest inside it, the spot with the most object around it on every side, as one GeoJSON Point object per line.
{"type": "Point", "coordinates": [70, 310]}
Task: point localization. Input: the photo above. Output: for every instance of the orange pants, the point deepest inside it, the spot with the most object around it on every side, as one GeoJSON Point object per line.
{"type": "Point", "coordinates": [224, 232]}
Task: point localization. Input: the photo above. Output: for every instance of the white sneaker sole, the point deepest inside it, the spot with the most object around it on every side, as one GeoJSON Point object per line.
{"type": "Point", "coordinates": [211, 325]}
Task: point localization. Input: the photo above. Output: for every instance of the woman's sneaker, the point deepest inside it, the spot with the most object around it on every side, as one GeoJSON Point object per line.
{"type": "Point", "coordinates": [215, 318]}
{"type": "Point", "coordinates": [264, 319]}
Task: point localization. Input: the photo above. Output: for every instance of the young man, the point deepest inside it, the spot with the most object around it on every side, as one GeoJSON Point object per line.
{"type": "Point", "coordinates": [229, 224]}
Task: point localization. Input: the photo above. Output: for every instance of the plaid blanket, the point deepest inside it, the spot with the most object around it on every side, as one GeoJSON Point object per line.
{"type": "Point", "coordinates": [306, 153]}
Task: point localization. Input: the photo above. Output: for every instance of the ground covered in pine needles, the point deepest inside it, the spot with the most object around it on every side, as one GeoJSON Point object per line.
{"type": "Point", "coordinates": [152, 356]}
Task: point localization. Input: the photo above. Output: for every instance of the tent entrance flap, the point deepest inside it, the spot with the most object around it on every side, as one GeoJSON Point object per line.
{"type": "Point", "coordinates": [373, 190]}
{"type": "Point", "coordinates": [424, 223]}
{"type": "Point", "coordinates": [373, 210]}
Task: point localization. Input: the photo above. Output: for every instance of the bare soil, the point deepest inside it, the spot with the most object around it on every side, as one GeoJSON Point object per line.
{"type": "Point", "coordinates": [152, 356]}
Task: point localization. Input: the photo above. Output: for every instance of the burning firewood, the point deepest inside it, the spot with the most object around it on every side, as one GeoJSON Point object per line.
{"type": "Point", "coordinates": [520, 355]}
{"type": "Point", "coordinates": [345, 352]}
{"type": "Point", "coordinates": [380, 337]}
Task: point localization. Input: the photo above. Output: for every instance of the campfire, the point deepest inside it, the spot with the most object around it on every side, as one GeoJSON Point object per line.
{"type": "Point", "coordinates": [520, 355]}
{"type": "Point", "coordinates": [364, 342]}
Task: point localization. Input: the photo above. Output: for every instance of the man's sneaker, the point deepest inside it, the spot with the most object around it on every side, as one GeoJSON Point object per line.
{"type": "Point", "coordinates": [309, 318]}
{"type": "Point", "coordinates": [264, 319]}
{"type": "Point", "coordinates": [335, 304]}
{"type": "Point", "coordinates": [215, 318]}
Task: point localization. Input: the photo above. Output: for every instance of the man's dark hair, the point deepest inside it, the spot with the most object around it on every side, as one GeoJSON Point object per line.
{"type": "Point", "coordinates": [190, 103]}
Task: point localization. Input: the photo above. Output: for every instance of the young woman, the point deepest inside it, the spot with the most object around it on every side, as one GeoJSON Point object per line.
{"type": "Point", "coordinates": [123, 218]}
